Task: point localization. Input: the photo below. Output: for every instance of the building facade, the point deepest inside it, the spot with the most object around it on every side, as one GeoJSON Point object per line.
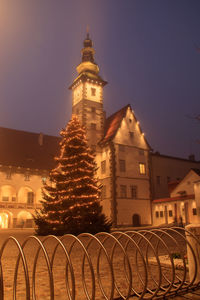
{"type": "Point", "coordinates": [122, 152]}
{"type": "Point", "coordinates": [131, 175]}
{"type": "Point", "coordinates": [166, 170]}
{"type": "Point", "coordinates": [25, 161]}
{"type": "Point", "coordinates": [183, 205]}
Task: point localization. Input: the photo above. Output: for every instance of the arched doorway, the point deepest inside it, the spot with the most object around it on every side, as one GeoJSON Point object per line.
{"type": "Point", "coordinates": [5, 219]}
{"type": "Point", "coordinates": [24, 219]}
{"type": "Point", "coordinates": [136, 220]}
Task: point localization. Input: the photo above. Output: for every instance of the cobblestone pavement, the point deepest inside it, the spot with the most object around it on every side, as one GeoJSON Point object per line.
{"type": "Point", "coordinates": [42, 286]}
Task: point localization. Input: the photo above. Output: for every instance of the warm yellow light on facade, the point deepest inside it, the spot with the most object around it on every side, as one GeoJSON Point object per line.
{"type": "Point", "coordinates": [142, 168]}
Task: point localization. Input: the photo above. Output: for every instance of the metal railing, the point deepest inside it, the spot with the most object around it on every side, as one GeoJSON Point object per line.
{"type": "Point", "coordinates": [144, 264]}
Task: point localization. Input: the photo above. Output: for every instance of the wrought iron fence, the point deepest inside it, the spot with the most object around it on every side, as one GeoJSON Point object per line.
{"type": "Point", "coordinates": [145, 264]}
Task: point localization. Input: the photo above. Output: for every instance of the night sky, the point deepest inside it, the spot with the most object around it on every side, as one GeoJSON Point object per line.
{"type": "Point", "coordinates": [147, 50]}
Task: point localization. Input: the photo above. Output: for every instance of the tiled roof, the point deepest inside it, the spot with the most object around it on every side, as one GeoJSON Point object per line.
{"type": "Point", "coordinates": [113, 123]}
{"type": "Point", "coordinates": [27, 149]}
{"type": "Point", "coordinates": [178, 198]}
{"type": "Point", "coordinates": [157, 154]}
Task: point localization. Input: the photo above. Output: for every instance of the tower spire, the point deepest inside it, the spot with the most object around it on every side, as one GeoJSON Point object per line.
{"type": "Point", "coordinates": [88, 50]}
{"type": "Point", "coordinates": [88, 68]}
{"type": "Point", "coordinates": [87, 31]}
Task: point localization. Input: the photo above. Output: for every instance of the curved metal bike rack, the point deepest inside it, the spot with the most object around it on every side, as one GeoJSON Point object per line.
{"type": "Point", "coordinates": [118, 265]}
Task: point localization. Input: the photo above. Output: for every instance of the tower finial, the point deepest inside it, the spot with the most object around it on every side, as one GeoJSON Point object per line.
{"type": "Point", "coordinates": [87, 31]}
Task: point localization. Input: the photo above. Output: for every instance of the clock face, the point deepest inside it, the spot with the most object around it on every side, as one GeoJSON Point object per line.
{"type": "Point", "coordinates": [91, 92]}
{"type": "Point", "coordinates": [78, 92]}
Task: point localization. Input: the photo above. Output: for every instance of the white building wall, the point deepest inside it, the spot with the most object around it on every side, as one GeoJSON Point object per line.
{"type": "Point", "coordinates": [131, 147]}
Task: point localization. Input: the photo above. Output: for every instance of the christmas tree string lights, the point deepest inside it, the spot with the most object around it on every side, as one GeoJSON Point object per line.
{"type": "Point", "coordinates": [71, 195]}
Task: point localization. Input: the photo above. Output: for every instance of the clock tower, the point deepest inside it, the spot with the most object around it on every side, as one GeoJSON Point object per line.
{"type": "Point", "coordinates": [87, 95]}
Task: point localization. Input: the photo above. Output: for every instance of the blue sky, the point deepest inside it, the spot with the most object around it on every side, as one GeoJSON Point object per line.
{"type": "Point", "coordinates": [146, 50]}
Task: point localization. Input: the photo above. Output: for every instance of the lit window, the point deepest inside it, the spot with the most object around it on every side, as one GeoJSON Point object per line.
{"type": "Point", "coordinates": [93, 91]}
{"type": "Point", "coordinates": [157, 214]}
{"type": "Point", "coordinates": [122, 165]}
{"type": "Point", "coordinates": [30, 197]}
{"type": "Point", "coordinates": [142, 168]}
{"type": "Point", "coordinates": [121, 148]}
{"type": "Point", "coordinates": [134, 192]}
{"type": "Point", "coordinates": [123, 193]}
{"type": "Point", "coordinates": [103, 167]}
{"type": "Point", "coordinates": [103, 192]}
{"type": "Point", "coordinates": [93, 126]}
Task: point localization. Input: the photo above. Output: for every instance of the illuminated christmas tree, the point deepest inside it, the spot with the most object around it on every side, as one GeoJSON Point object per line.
{"type": "Point", "coordinates": [72, 195]}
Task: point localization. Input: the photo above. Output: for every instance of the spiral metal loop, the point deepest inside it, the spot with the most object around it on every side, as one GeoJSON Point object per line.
{"type": "Point", "coordinates": [144, 264]}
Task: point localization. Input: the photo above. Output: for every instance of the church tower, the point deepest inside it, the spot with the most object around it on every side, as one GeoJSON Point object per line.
{"type": "Point", "coordinates": [87, 95]}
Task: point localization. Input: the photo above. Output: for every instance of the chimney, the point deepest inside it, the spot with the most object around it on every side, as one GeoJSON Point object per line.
{"type": "Point", "coordinates": [40, 139]}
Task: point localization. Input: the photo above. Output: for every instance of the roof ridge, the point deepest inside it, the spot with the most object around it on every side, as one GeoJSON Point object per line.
{"type": "Point", "coordinates": [27, 132]}
{"type": "Point", "coordinates": [113, 123]}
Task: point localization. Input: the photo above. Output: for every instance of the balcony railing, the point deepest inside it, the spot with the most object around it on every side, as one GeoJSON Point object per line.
{"type": "Point", "coordinates": [11, 205]}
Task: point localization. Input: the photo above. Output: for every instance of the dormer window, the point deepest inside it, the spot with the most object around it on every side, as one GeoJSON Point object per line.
{"type": "Point", "coordinates": [93, 91]}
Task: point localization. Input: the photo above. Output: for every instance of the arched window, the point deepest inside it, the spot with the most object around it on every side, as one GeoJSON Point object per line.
{"type": "Point", "coordinates": [8, 193]}
{"type": "Point", "coordinates": [25, 195]}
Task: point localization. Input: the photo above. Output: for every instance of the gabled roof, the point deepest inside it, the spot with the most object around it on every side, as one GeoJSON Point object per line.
{"type": "Point", "coordinates": [113, 123]}
{"type": "Point", "coordinates": [197, 171]}
{"type": "Point", "coordinates": [27, 149]}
